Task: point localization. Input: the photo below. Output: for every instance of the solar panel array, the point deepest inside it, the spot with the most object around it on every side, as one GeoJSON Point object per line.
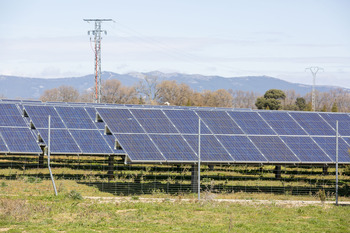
{"type": "Point", "coordinates": [170, 134]}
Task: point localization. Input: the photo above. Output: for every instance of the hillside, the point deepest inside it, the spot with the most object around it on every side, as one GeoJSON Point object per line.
{"type": "Point", "coordinates": [25, 87]}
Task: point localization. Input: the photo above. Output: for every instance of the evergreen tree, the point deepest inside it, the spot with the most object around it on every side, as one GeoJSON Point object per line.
{"type": "Point", "coordinates": [335, 107]}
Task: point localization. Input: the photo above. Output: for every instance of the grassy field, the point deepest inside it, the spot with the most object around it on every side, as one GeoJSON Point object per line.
{"type": "Point", "coordinates": [68, 213]}
{"type": "Point", "coordinates": [27, 203]}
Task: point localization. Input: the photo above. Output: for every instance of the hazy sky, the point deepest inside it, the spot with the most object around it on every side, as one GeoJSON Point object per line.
{"type": "Point", "coordinates": [278, 38]}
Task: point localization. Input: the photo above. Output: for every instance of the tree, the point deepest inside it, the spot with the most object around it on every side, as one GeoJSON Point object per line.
{"type": "Point", "coordinates": [335, 107]}
{"type": "Point", "coordinates": [300, 103]}
{"type": "Point", "coordinates": [148, 88]}
{"type": "Point", "coordinates": [275, 94]}
{"type": "Point", "coordinates": [114, 92]}
{"type": "Point", "coordinates": [271, 100]}
{"type": "Point", "coordinates": [173, 93]}
{"type": "Point", "coordinates": [62, 93]}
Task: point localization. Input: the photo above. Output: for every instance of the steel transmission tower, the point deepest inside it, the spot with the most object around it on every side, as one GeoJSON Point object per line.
{"type": "Point", "coordinates": [314, 70]}
{"type": "Point", "coordinates": [97, 39]}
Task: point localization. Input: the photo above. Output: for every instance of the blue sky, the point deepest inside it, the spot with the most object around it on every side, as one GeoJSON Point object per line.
{"type": "Point", "coordinates": [228, 38]}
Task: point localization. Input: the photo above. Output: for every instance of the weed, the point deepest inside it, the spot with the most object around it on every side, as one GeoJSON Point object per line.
{"type": "Point", "coordinates": [3, 184]}
{"type": "Point", "coordinates": [322, 195]}
{"type": "Point", "coordinates": [135, 198]}
{"type": "Point", "coordinates": [74, 195]}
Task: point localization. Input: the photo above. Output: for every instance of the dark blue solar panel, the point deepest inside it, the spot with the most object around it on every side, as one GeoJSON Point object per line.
{"type": "Point", "coordinates": [139, 147]}
{"type": "Point", "coordinates": [3, 147]}
{"type": "Point", "coordinates": [312, 123]}
{"type": "Point", "coordinates": [211, 149]}
{"type": "Point", "coordinates": [75, 118]}
{"type": "Point", "coordinates": [306, 149]}
{"type": "Point", "coordinates": [92, 114]}
{"type": "Point", "coordinates": [40, 115]}
{"type": "Point", "coordinates": [154, 121]}
{"type": "Point", "coordinates": [219, 122]}
{"type": "Point", "coordinates": [328, 144]}
{"type": "Point", "coordinates": [91, 142]}
{"type": "Point", "coordinates": [61, 141]}
{"type": "Point", "coordinates": [174, 147]}
{"type": "Point", "coordinates": [251, 123]}
{"type": "Point", "coordinates": [20, 140]}
{"type": "Point", "coordinates": [274, 149]}
{"type": "Point", "coordinates": [282, 123]}
{"type": "Point", "coordinates": [186, 121]}
{"type": "Point", "coordinates": [343, 122]}
{"type": "Point", "coordinates": [241, 148]}
{"type": "Point", "coordinates": [11, 116]}
{"type": "Point", "coordinates": [120, 120]}
{"type": "Point", "coordinates": [110, 139]}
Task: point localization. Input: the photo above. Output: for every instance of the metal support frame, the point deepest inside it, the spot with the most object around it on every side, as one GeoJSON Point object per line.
{"type": "Point", "coordinates": [336, 164]}
{"type": "Point", "coordinates": [48, 156]}
{"type": "Point", "coordinates": [97, 49]}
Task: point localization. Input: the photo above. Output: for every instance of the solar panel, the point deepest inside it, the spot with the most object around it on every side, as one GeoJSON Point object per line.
{"type": "Point", "coordinates": [251, 123]}
{"type": "Point", "coordinates": [241, 148]}
{"type": "Point", "coordinates": [306, 149]}
{"type": "Point", "coordinates": [92, 114]}
{"type": "Point", "coordinates": [282, 123]}
{"type": "Point", "coordinates": [75, 118]}
{"type": "Point", "coordinates": [219, 122]}
{"type": "Point", "coordinates": [20, 140]}
{"type": "Point", "coordinates": [139, 147]}
{"type": "Point", "coordinates": [120, 120]}
{"type": "Point", "coordinates": [343, 122]}
{"type": "Point", "coordinates": [312, 123]}
{"type": "Point", "coordinates": [328, 144]}
{"type": "Point", "coordinates": [40, 115]}
{"type": "Point", "coordinates": [62, 141]}
{"type": "Point", "coordinates": [211, 149]}
{"type": "Point", "coordinates": [274, 149]}
{"type": "Point", "coordinates": [91, 142]}
{"type": "Point", "coordinates": [174, 148]}
{"type": "Point", "coordinates": [11, 116]}
{"type": "Point", "coordinates": [110, 139]}
{"type": "Point", "coordinates": [3, 147]}
{"type": "Point", "coordinates": [154, 121]}
{"type": "Point", "coordinates": [186, 121]}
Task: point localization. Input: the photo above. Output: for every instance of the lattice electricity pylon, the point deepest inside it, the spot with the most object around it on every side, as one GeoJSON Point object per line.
{"type": "Point", "coordinates": [97, 39]}
{"type": "Point", "coordinates": [314, 70]}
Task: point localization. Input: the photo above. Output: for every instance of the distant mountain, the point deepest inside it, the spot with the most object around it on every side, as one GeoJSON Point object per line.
{"type": "Point", "coordinates": [32, 88]}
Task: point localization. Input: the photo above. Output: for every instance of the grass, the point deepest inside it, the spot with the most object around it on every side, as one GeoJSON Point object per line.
{"type": "Point", "coordinates": [27, 204]}
{"type": "Point", "coordinates": [66, 214]}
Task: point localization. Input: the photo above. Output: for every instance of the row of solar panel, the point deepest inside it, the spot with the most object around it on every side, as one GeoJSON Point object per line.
{"type": "Point", "coordinates": [142, 106]}
{"type": "Point", "coordinates": [170, 135]}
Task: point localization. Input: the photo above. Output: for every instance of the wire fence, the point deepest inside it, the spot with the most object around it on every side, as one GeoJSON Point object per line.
{"type": "Point", "coordinates": [109, 174]}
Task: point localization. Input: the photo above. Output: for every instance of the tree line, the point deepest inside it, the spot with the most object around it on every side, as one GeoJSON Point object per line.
{"type": "Point", "coordinates": [152, 91]}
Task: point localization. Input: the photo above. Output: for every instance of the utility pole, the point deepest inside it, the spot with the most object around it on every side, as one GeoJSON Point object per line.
{"type": "Point", "coordinates": [314, 70]}
{"type": "Point", "coordinates": [97, 39]}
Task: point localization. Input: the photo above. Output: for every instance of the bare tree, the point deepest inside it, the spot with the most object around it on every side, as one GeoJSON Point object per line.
{"type": "Point", "coordinates": [62, 93]}
{"type": "Point", "coordinates": [173, 93]}
{"type": "Point", "coordinates": [148, 88]}
{"type": "Point", "coordinates": [114, 92]}
{"type": "Point", "coordinates": [243, 99]}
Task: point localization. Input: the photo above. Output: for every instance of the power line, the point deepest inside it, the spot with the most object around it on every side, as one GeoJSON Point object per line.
{"type": "Point", "coordinates": [314, 70]}
{"type": "Point", "coordinates": [97, 39]}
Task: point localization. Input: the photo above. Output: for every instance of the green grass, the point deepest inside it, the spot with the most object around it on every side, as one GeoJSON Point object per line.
{"type": "Point", "coordinates": [64, 213]}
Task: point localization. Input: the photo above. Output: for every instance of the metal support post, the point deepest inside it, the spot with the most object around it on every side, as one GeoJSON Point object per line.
{"type": "Point", "coordinates": [48, 156]}
{"type": "Point", "coordinates": [336, 165]}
